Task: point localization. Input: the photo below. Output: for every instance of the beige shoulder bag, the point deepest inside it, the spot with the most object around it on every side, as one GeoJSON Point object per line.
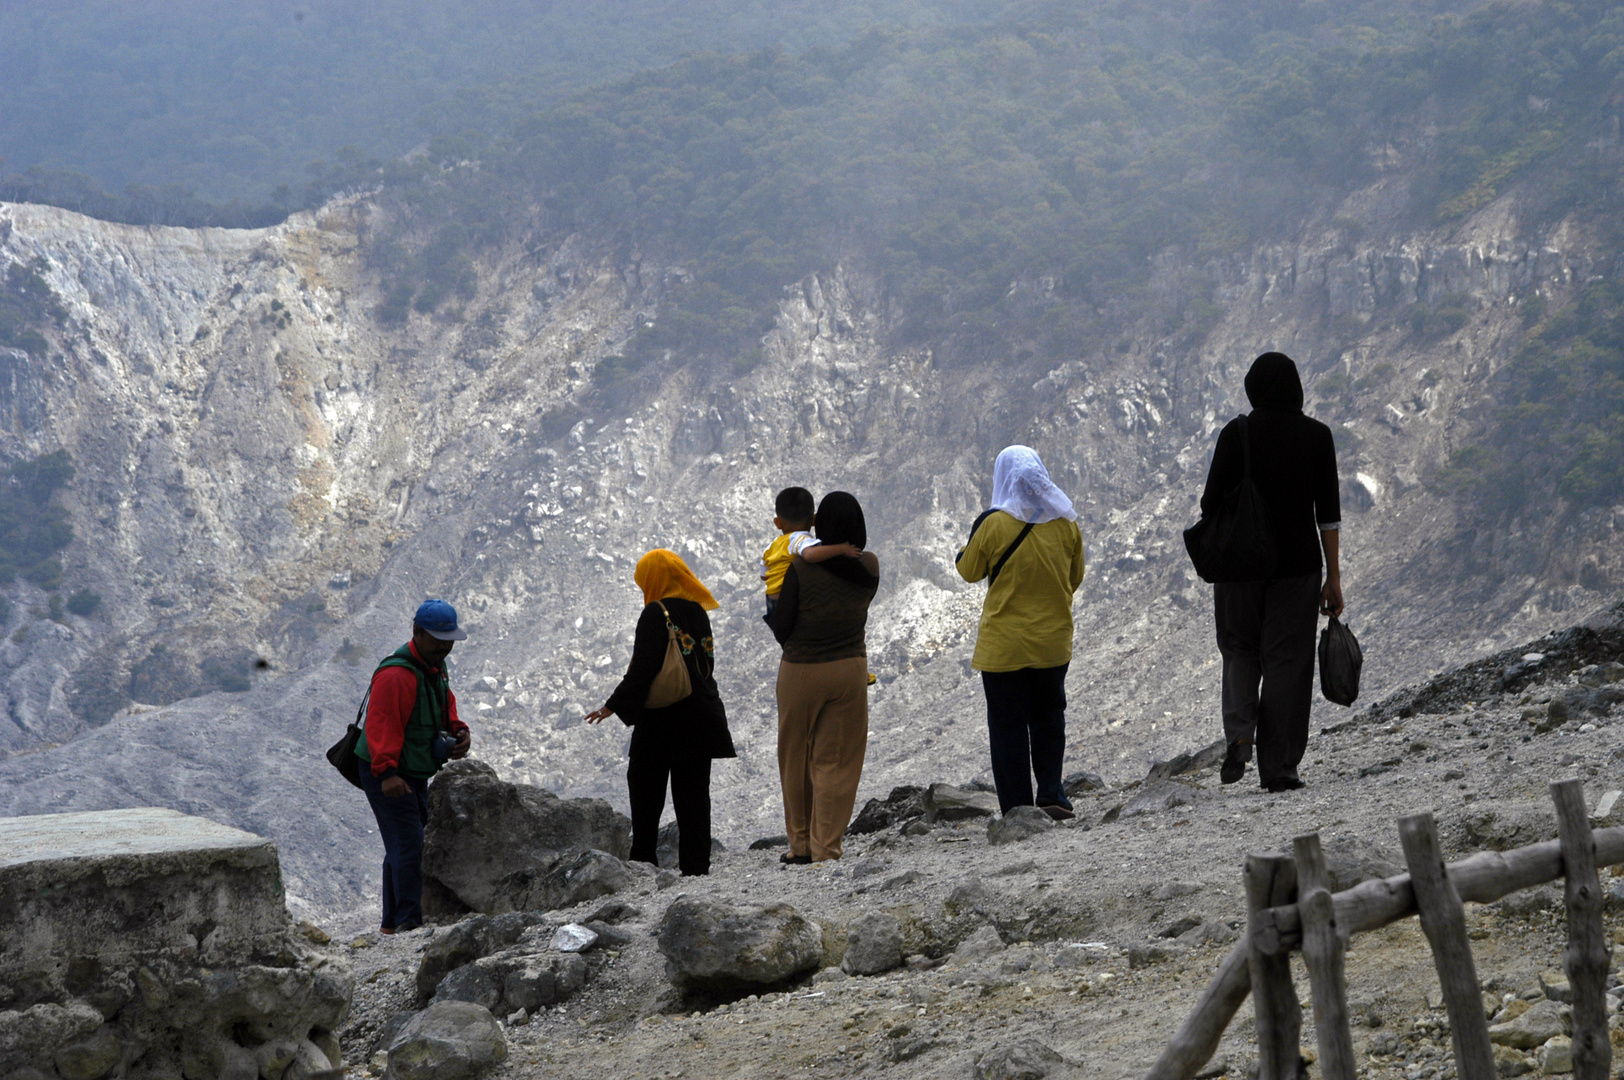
{"type": "Point", "coordinates": [672, 684]}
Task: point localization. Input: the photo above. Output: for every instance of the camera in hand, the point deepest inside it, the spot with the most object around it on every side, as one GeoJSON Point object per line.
{"type": "Point", "coordinates": [444, 742]}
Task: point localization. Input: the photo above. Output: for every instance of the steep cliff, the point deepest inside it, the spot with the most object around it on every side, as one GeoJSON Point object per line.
{"type": "Point", "coordinates": [268, 475]}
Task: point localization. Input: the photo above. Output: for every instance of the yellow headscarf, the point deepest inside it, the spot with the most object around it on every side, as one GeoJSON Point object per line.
{"type": "Point", "coordinates": [662, 574]}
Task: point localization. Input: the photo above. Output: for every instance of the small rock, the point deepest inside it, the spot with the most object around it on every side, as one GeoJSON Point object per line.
{"type": "Point", "coordinates": [574, 938]}
{"type": "Point", "coordinates": [1511, 1062]}
{"type": "Point", "coordinates": [916, 827]}
{"type": "Point", "coordinates": [983, 943]}
{"type": "Point", "coordinates": [1172, 890]}
{"type": "Point", "coordinates": [1543, 1021]}
{"type": "Point", "coordinates": [1157, 799]}
{"type": "Point", "coordinates": [909, 877]}
{"type": "Point", "coordinates": [90, 1058]}
{"type": "Point", "coordinates": [1027, 1059]}
{"type": "Point", "coordinates": [944, 802]}
{"type": "Point", "coordinates": [450, 1040]}
{"type": "Point", "coordinates": [1018, 823]}
{"type": "Point", "coordinates": [1179, 927]}
{"type": "Point", "coordinates": [1142, 955]}
{"type": "Point", "coordinates": [1081, 783]}
{"type": "Point", "coordinates": [313, 933]}
{"type": "Point", "coordinates": [970, 896]}
{"type": "Point", "coordinates": [1193, 761]}
{"type": "Point", "coordinates": [1556, 1056]}
{"type": "Point", "coordinates": [873, 944]}
{"type": "Point", "coordinates": [1606, 807]}
{"type": "Point", "coordinates": [768, 843]}
{"type": "Point", "coordinates": [1555, 987]}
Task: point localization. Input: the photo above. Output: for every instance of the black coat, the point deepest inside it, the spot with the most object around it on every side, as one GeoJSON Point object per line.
{"type": "Point", "coordinates": [696, 726]}
{"type": "Point", "coordinates": [1294, 470]}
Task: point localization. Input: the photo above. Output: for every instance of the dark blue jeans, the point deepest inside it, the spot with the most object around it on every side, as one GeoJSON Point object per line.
{"type": "Point", "coordinates": [400, 822]}
{"type": "Point", "coordinates": [1026, 727]}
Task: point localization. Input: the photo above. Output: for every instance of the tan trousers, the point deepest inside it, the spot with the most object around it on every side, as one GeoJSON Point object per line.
{"type": "Point", "coordinates": [822, 735]}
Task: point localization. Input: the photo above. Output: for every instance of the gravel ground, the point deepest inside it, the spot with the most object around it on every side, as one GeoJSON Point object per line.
{"type": "Point", "coordinates": [1113, 923]}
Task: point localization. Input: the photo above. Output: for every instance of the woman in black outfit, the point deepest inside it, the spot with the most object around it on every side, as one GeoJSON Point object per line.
{"type": "Point", "coordinates": [676, 742]}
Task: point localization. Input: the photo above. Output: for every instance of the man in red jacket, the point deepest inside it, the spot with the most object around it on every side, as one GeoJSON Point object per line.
{"type": "Point", "coordinates": [412, 728]}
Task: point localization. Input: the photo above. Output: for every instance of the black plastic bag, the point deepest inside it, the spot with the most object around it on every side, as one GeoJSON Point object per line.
{"type": "Point", "coordinates": [1340, 660]}
{"type": "Point", "coordinates": [1235, 543]}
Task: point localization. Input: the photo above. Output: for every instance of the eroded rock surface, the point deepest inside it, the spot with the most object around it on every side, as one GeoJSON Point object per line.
{"type": "Point", "coordinates": [710, 945]}
{"type": "Point", "coordinates": [482, 829]}
{"type": "Point", "coordinates": [156, 945]}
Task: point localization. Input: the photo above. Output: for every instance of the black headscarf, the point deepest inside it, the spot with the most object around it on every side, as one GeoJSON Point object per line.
{"type": "Point", "coordinates": [1273, 383]}
{"type": "Point", "coordinates": [840, 521]}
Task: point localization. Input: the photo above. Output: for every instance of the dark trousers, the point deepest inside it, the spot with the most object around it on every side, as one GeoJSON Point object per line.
{"type": "Point", "coordinates": [1026, 727]}
{"type": "Point", "coordinates": [400, 823]}
{"type": "Point", "coordinates": [1266, 635]}
{"type": "Point", "coordinates": [690, 798]}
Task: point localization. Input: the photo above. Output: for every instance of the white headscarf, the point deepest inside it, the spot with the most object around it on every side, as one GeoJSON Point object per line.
{"type": "Point", "coordinates": [1022, 489]}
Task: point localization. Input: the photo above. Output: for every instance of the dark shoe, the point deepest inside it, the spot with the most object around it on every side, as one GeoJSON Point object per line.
{"type": "Point", "coordinates": [1291, 783]}
{"type": "Point", "coordinates": [1236, 755]}
{"type": "Point", "coordinates": [1058, 812]}
{"type": "Point", "coordinates": [795, 860]}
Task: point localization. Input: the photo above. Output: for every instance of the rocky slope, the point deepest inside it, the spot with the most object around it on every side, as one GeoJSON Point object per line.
{"type": "Point", "coordinates": [1095, 938]}
{"type": "Point", "coordinates": [266, 473]}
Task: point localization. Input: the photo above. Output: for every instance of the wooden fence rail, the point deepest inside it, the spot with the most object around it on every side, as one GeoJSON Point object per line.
{"type": "Point", "coordinates": [1320, 924]}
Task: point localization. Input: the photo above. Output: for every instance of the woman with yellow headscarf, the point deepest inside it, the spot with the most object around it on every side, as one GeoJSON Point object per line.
{"type": "Point", "coordinates": [671, 743]}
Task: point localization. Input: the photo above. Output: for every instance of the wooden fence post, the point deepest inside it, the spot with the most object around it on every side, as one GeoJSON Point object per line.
{"type": "Point", "coordinates": [1270, 881]}
{"type": "Point", "coordinates": [1443, 920]}
{"type": "Point", "coordinates": [1587, 956]}
{"type": "Point", "coordinates": [1322, 954]}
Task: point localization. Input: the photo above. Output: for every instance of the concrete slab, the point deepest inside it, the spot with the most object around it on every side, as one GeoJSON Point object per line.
{"type": "Point", "coordinates": [144, 830]}
{"type": "Point", "coordinates": [126, 884]}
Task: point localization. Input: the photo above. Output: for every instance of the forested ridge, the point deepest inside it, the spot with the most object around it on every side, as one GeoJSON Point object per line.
{"type": "Point", "coordinates": [192, 112]}
{"type": "Point", "coordinates": [1006, 179]}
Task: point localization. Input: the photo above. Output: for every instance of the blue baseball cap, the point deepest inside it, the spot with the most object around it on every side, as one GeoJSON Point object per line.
{"type": "Point", "coordinates": [438, 619]}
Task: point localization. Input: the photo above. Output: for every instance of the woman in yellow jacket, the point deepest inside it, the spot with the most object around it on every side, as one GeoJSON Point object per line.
{"type": "Point", "coordinates": [1030, 550]}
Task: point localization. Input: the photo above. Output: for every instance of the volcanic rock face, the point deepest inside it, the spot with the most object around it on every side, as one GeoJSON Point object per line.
{"type": "Point", "coordinates": [264, 470]}
{"type": "Point", "coordinates": [483, 831]}
{"type": "Point", "coordinates": [156, 942]}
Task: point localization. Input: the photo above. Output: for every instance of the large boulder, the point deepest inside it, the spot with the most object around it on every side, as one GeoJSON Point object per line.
{"type": "Point", "coordinates": [873, 944]}
{"type": "Point", "coordinates": [482, 828]}
{"type": "Point", "coordinates": [709, 945]}
{"type": "Point", "coordinates": [568, 880]}
{"type": "Point", "coordinates": [450, 1040]}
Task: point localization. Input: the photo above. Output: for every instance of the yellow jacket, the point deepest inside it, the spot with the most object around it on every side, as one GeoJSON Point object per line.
{"type": "Point", "coordinates": [1026, 618]}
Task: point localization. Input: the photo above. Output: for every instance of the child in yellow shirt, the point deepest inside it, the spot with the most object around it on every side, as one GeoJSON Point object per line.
{"type": "Point", "coordinates": [795, 511]}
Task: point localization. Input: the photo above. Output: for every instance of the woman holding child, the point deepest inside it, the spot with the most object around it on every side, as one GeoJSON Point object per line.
{"type": "Point", "coordinates": [1029, 549]}
{"type": "Point", "coordinates": [676, 742]}
{"type": "Point", "coordinates": [820, 616]}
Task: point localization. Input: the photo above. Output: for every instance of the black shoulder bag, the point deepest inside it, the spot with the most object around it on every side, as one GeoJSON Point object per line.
{"type": "Point", "coordinates": [1235, 543]}
{"type": "Point", "coordinates": [341, 755]}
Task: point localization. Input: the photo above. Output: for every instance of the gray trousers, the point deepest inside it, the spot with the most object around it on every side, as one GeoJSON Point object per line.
{"type": "Point", "coordinates": [1266, 635]}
